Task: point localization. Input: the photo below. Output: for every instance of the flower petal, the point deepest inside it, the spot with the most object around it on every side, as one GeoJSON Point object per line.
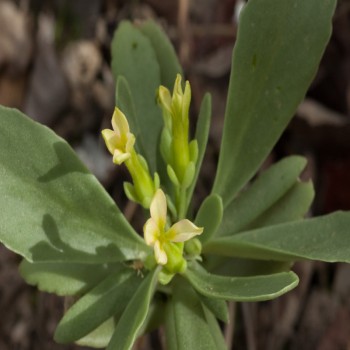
{"type": "Point", "coordinates": [130, 141]}
{"type": "Point", "coordinates": [177, 86]}
{"type": "Point", "coordinates": [164, 98]}
{"type": "Point", "coordinates": [177, 99]}
{"type": "Point", "coordinates": [111, 139]}
{"type": "Point", "coordinates": [186, 100]}
{"type": "Point", "coordinates": [150, 232]}
{"type": "Point", "coordinates": [158, 209]}
{"type": "Point", "coordinates": [160, 254]}
{"type": "Point", "coordinates": [119, 122]}
{"type": "Point", "coordinates": [119, 157]}
{"type": "Point", "coordinates": [183, 231]}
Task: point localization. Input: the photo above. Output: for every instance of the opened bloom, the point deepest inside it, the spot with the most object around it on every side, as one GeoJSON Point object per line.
{"type": "Point", "coordinates": [166, 241]}
{"type": "Point", "coordinates": [119, 141]}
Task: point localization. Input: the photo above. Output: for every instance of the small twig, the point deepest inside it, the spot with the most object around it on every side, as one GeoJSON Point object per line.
{"type": "Point", "coordinates": [184, 32]}
{"type": "Point", "coordinates": [214, 30]}
{"type": "Point", "coordinates": [249, 326]}
{"type": "Point", "coordinates": [205, 31]}
{"type": "Point", "coordinates": [130, 210]}
{"type": "Point", "coordinates": [318, 115]}
{"type": "Point", "coordinates": [230, 328]}
{"type": "Point", "coordinates": [24, 5]}
{"type": "Point", "coordinates": [292, 306]}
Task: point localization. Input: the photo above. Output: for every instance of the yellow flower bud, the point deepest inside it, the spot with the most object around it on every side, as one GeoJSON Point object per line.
{"type": "Point", "coordinates": [119, 141]}
{"type": "Point", "coordinates": [175, 109]}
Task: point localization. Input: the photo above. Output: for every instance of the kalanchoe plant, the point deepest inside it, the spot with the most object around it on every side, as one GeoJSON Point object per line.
{"type": "Point", "coordinates": [180, 271]}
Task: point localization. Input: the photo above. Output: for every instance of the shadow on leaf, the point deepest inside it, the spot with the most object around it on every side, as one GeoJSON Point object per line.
{"type": "Point", "coordinates": [67, 162]}
{"type": "Point", "coordinates": [55, 249]}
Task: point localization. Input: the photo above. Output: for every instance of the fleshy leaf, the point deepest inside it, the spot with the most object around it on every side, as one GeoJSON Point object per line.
{"type": "Point", "coordinates": [134, 315]}
{"type": "Point", "coordinates": [134, 58]}
{"type": "Point", "coordinates": [292, 206]}
{"type": "Point", "coordinates": [100, 337]}
{"type": "Point", "coordinates": [215, 330]}
{"type": "Point", "coordinates": [324, 238]}
{"type": "Point", "coordinates": [155, 317]}
{"type": "Point", "coordinates": [275, 58]}
{"type": "Point", "coordinates": [209, 216]}
{"type": "Point", "coordinates": [255, 288]}
{"type": "Point", "coordinates": [266, 190]}
{"type": "Point", "coordinates": [65, 278]}
{"type": "Point", "coordinates": [166, 55]}
{"type": "Point", "coordinates": [52, 209]}
{"type": "Point", "coordinates": [186, 325]}
{"type": "Point", "coordinates": [107, 299]}
{"type": "Point", "coordinates": [217, 306]}
{"type": "Point", "coordinates": [240, 267]}
{"type": "Point", "coordinates": [202, 134]}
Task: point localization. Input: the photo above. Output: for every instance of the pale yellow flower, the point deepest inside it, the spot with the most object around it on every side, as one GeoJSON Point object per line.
{"type": "Point", "coordinates": [119, 141]}
{"type": "Point", "coordinates": [155, 232]}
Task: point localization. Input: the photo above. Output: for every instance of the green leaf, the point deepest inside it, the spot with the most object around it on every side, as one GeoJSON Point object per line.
{"type": "Point", "coordinates": [134, 58]}
{"type": "Point", "coordinates": [324, 238]}
{"type": "Point", "coordinates": [215, 330]}
{"type": "Point", "coordinates": [217, 306]}
{"type": "Point", "coordinates": [186, 325]}
{"type": "Point", "coordinates": [256, 288]}
{"type": "Point", "coordinates": [266, 190]}
{"type": "Point", "coordinates": [100, 337]}
{"type": "Point", "coordinates": [52, 209]}
{"type": "Point", "coordinates": [171, 332]}
{"type": "Point", "coordinates": [277, 51]}
{"type": "Point", "coordinates": [291, 207]}
{"type": "Point", "coordinates": [155, 317]}
{"type": "Point", "coordinates": [236, 267]}
{"type": "Point", "coordinates": [166, 55]}
{"type": "Point", "coordinates": [65, 278]}
{"type": "Point", "coordinates": [202, 135]}
{"type": "Point", "coordinates": [209, 216]}
{"type": "Point", "coordinates": [107, 299]}
{"type": "Point", "coordinates": [134, 315]}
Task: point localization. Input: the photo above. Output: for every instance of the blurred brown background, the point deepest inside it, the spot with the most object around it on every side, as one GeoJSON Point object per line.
{"type": "Point", "coordinates": [54, 66]}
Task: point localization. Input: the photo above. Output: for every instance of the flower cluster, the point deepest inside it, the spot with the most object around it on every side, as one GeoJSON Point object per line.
{"type": "Point", "coordinates": [167, 240]}
{"type": "Point", "coordinates": [179, 154]}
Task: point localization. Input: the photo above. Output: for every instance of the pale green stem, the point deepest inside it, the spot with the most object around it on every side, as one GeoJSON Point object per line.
{"type": "Point", "coordinates": [181, 204]}
{"type": "Point", "coordinates": [142, 180]}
